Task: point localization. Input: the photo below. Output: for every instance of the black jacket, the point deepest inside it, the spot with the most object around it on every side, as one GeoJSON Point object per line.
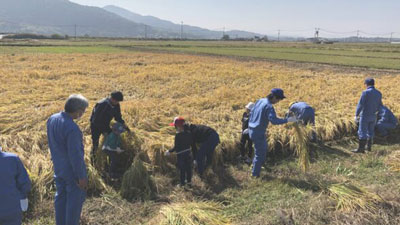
{"type": "Point", "coordinates": [245, 121]}
{"type": "Point", "coordinates": [183, 142]}
{"type": "Point", "coordinates": [200, 134]}
{"type": "Point", "coordinates": [102, 114]}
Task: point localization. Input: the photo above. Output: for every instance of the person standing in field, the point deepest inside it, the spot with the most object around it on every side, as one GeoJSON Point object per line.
{"type": "Point", "coordinates": [303, 113]}
{"type": "Point", "coordinates": [245, 138]}
{"type": "Point", "coordinates": [208, 139]}
{"type": "Point", "coordinates": [182, 148]}
{"type": "Point", "coordinates": [67, 153]}
{"type": "Point", "coordinates": [386, 121]}
{"type": "Point", "coordinates": [14, 188]}
{"type": "Point", "coordinates": [366, 115]}
{"type": "Point", "coordinates": [261, 115]}
{"type": "Point", "coordinates": [103, 112]}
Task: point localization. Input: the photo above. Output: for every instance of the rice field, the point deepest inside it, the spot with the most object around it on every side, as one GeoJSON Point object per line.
{"type": "Point", "coordinates": [157, 87]}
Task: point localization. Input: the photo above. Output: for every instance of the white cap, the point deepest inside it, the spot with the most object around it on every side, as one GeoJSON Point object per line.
{"type": "Point", "coordinates": [250, 106]}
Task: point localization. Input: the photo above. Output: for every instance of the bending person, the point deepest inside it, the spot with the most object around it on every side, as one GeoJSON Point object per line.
{"type": "Point", "coordinates": [386, 121]}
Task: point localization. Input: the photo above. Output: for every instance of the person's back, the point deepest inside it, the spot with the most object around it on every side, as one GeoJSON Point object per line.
{"type": "Point", "coordinates": [200, 132]}
{"type": "Point", "coordinates": [103, 113]}
{"type": "Point", "coordinates": [299, 108]}
{"type": "Point", "coordinates": [370, 102]}
{"type": "Point", "coordinates": [303, 112]}
{"type": "Point", "coordinates": [15, 185]}
{"type": "Point", "coordinates": [60, 130]}
{"type": "Point", "coordinates": [387, 116]}
{"type": "Point", "coordinates": [258, 117]}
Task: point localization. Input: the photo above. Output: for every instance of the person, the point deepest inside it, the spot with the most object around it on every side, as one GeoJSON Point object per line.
{"type": "Point", "coordinates": [245, 135]}
{"type": "Point", "coordinates": [261, 115]}
{"type": "Point", "coordinates": [14, 189]}
{"type": "Point", "coordinates": [366, 114]}
{"type": "Point", "coordinates": [67, 153]}
{"type": "Point", "coordinates": [103, 112]}
{"type": "Point", "coordinates": [112, 147]}
{"type": "Point", "coordinates": [386, 121]}
{"type": "Point", "coordinates": [182, 148]}
{"type": "Point", "coordinates": [303, 113]}
{"type": "Point", "coordinates": [208, 139]}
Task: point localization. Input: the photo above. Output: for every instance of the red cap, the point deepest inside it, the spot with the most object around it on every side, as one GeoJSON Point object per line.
{"type": "Point", "coordinates": [177, 121]}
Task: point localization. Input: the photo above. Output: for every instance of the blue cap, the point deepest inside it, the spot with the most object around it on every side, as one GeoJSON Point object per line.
{"type": "Point", "coordinates": [277, 92]}
{"type": "Point", "coordinates": [369, 82]}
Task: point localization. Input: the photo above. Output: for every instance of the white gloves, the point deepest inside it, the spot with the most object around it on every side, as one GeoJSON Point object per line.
{"type": "Point", "coordinates": [194, 163]}
{"type": "Point", "coordinates": [356, 119]}
{"type": "Point", "coordinates": [167, 153]}
{"type": "Point", "coordinates": [292, 119]}
{"type": "Point", "coordinates": [246, 131]}
{"type": "Point", "coordinates": [119, 150]}
{"type": "Point", "coordinates": [24, 204]}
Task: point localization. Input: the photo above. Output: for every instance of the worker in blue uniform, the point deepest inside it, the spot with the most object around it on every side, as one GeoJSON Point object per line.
{"type": "Point", "coordinates": [366, 115]}
{"type": "Point", "coordinates": [14, 188]}
{"type": "Point", "coordinates": [303, 113]}
{"type": "Point", "coordinates": [262, 113]}
{"type": "Point", "coordinates": [386, 121]}
{"type": "Point", "coordinates": [67, 153]}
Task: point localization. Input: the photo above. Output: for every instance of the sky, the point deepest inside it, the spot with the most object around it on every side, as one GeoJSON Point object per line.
{"type": "Point", "coordinates": [293, 17]}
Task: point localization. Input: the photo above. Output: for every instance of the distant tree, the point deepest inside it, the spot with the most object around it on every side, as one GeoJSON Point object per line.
{"type": "Point", "coordinates": [225, 37]}
{"type": "Point", "coordinates": [56, 36]}
{"type": "Point", "coordinates": [265, 38]}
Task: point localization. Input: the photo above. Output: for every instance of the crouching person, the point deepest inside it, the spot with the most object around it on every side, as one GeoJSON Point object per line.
{"type": "Point", "coordinates": [182, 148]}
{"type": "Point", "coordinates": [112, 147]}
{"type": "Point", "coordinates": [14, 188]}
{"type": "Point", "coordinates": [386, 121]}
{"type": "Point", "coordinates": [67, 153]}
{"type": "Point", "coordinates": [245, 138]}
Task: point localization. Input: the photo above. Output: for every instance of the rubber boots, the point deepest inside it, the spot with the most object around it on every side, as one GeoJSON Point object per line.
{"type": "Point", "coordinates": [369, 144]}
{"type": "Point", "coordinates": [361, 146]}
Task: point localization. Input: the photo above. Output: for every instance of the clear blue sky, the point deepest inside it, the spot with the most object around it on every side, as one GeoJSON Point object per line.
{"type": "Point", "coordinates": [297, 17]}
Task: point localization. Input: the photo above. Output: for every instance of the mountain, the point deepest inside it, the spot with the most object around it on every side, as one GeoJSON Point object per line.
{"type": "Point", "coordinates": [188, 31]}
{"type": "Point", "coordinates": [61, 16]}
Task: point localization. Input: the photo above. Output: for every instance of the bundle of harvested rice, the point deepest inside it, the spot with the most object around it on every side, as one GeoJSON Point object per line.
{"type": "Point", "coordinates": [193, 213]}
{"type": "Point", "coordinates": [298, 142]}
{"type": "Point", "coordinates": [137, 183]}
{"type": "Point", "coordinates": [350, 197]}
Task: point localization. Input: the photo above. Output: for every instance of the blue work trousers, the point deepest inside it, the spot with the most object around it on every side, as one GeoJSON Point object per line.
{"type": "Point", "coordinates": [366, 128]}
{"type": "Point", "coordinates": [261, 147]}
{"type": "Point", "coordinates": [12, 219]}
{"type": "Point", "coordinates": [68, 202]}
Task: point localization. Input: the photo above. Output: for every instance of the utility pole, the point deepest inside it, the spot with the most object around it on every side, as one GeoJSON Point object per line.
{"type": "Point", "coordinates": [391, 36]}
{"type": "Point", "coordinates": [279, 35]}
{"type": "Point", "coordinates": [75, 31]}
{"type": "Point", "coordinates": [358, 34]}
{"type": "Point", "coordinates": [145, 31]}
{"type": "Point", "coordinates": [181, 30]}
{"type": "Point", "coordinates": [316, 35]}
{"type": "Point", "coordinates": [223, 32]}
